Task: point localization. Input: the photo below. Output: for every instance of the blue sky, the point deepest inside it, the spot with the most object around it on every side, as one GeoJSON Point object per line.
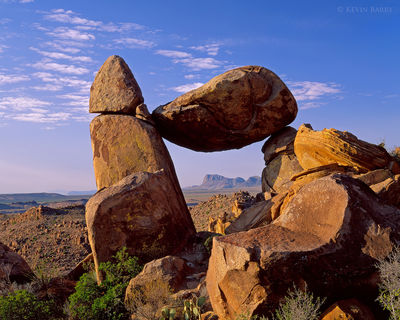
{"type": "Point", "coordinates": [339, 58]}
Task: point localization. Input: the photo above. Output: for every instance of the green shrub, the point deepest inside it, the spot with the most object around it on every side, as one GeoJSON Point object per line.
{"type": "Point", "coordinates": [23, 305]}
{"type": "Point", "coordinates": [105, 301]}
{"type": "Point", "coordinates": [389, 295]}
{"type": "Point", "coordinates": [299, 305]}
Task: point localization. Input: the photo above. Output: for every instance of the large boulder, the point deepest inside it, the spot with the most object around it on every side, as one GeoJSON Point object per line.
{"type": "Point", "coordinates": [123, 145]}
{"type": "Point", "coordinates": [330, 236]}
{"type": "Point", "coordinates": [13, 267]}
{"type": "Point", "coordinates": [280, 160]}
{"type": "Point", "coordinates": [115, 89]}
{"type": "Point", "coordinates": [232, 110]}
{"type": "Point", "coordinates": [317, 148]}
{"type": "Point", "coordinates": [141, 212]}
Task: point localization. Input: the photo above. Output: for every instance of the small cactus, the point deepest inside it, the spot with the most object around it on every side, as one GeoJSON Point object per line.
{"type": "Point", "coordinates": [192, 308]}
{"type": "Point", "coordinates": [168, 314]}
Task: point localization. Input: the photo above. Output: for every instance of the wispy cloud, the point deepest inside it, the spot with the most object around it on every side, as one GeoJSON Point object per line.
{"type": "Point", "coordinates": [21, 103]}
{"type": "Point", "coordinates": [57, 67]}
{"type": "Point", "coordinates": [71, 81]}
{"type": "Point", "coordinates": [210, 49]}
{"type": "Point", "coordinates": [135, 43]}
{"type": "Point", "coordinates": [187, 87]}
{"type": "Point", "coordinates": [2, 47]}
{"type": "Point", "coordinates": [60, 55]}
{"type": "Point", "coordinates": [65, 48]}
{"type": "Point", "coordinates": [39, 117]}
{"type": "Point", "coordinates": [76, 100]}
{"type": "Point", "coordinates": [188, 60]}
{"type": "Point", "coordinates": [48, 87]}
{"type": "Point", "coordinates": [71, 17]}
{"type": "Point", "coordinates": [4, 20]}
{"type": "Point", "coordinates": [9, 78]}
{"type": "Point", "coordinates": [71, 34]}
{"type": "Point", "coordinates": [174, 54]}
{"type": "Point", "coordinates": [190, 76]}
{"type": "Point", "coordinates": [310, 93]}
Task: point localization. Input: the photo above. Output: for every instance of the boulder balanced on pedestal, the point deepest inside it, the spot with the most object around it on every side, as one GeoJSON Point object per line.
{"type": "Point", "coordinates": [232, 110]}
{"type": "Point", "coordinates": [139, 204]}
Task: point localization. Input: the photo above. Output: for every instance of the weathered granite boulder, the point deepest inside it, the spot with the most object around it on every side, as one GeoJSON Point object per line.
{"type": "Point", "coordinates": [350, 309]}
{"type": "Point", "coordinates": [232, 110]}
{"type": "Point", "coordinates": [317, 148]}
{"type": "Point", "coordinates": [330, 236]}
{"type": "Point", "coordinates": [280, 160]}
{"type": "Point", "coordinates": [123, 145]}
{"type": "Point", "coordinates": [13, 267]}
{"type": "Point", "coordinates": [115, 89]}
{"type": "Point", "coordinates": [142, 212]}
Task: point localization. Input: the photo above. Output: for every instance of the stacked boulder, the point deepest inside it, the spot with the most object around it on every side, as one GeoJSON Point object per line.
{"type": "Point", "coordinates": [139, 204]}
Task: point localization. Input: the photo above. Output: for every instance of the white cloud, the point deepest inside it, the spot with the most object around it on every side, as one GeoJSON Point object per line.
{"type": "Point", "coordinates": [309, 90]}
{"type": "Point", "coordinates": [76, 100]}
{"type": "Point", "coordinates": [310, 93]}
{"type": "Point", "coordinates": [6, 79]}
{"type": "Point", "coordinates": [39, 117]}
{"type": "Point", "coordinates": [68, 16]}
{"type": "Point", "coordinates": [190, 76]}
{"type": "Point", "coordinates": [21, 103]}
{"type": "Point", "coordinates": [199, 63]}
{"type": "Point", "coordinates": [74, 82]}
{"type": "Point", "coordinates": [5, 20]}
{"type": "Point", "coordinates": [188, 60]}
{"type": "Point", "coordinates": [59, 47]}
{"type": "Point", "coordinates": [135, 43]}
{"type": "Point", "coordinates": [210, 49]}
{"type": "Point", "coordinates": [187, 87]}
{"type": "Point", "coordinates": [71, 34]}
{"type": "Point", "coordinates": [60, 55]}
{"type": "Point", "coordinates": [2, 47]}
{"type": "Point", "coordinates": [48, 87]}
{"type": "Point", "coordinates": [174, 54]}
{"type": "Point", "coordinates": [63, 68]}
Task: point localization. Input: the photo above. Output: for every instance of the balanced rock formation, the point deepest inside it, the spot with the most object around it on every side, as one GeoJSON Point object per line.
{"type": "Point", "coordinates": [232, 110]}
{"type": "Point", "coordinates": [330, 236]}
{"type": "Point", "coordinates": [141, 212]}
{"type": "Point", "coordinates": [115, 89]}
{"type": "Point", "coordinates": [280, 160]}
{"type": "Point", "coordinates": [317, 148]}
{"type": "Point", "coordinates": [123, 145]}
{"type": "Point", "coordinates": [13, 267]}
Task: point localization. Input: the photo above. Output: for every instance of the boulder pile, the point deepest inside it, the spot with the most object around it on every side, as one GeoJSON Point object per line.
{"type": "Point", "coordinates": [328, 213]}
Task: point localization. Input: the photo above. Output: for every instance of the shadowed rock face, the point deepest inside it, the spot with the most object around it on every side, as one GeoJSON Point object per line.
{"type": "Point", "coordinates": [13, 267]}
{"type": "Point", "coordinates": [232, 110]}
{"type": "Point", "coordinates": [280, 160]}
{"type": "Point", "coordinates": [330, 236]}
{"type": "Point", "coordinates": [141, 212]}
{"type": "Point", "coordinates": [115, 89]}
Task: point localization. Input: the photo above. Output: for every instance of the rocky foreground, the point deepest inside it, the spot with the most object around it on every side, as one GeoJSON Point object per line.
{"type": "Point", "coordinates": [328, 213]}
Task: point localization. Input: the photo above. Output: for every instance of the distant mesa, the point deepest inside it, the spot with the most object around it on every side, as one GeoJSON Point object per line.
{"type": "Point", "coordinates": [217, 182]}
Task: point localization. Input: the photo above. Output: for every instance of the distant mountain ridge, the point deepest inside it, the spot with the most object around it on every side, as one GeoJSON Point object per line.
{"type": "Point", "coordinates": [216, 182]}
